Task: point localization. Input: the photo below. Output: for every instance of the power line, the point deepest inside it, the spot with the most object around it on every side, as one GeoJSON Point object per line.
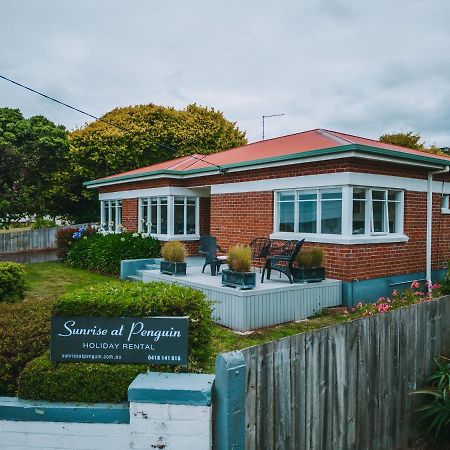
{"type": "Point", "coordinates": [97, 118]}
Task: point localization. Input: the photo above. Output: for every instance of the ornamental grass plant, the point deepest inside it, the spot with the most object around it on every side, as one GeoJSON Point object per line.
{"type": "Point", "coordinates": [174, 251]}
{"type": "Point", "coordinates": [309, 258]}
{"type": "Point", "coordinates": [239, 258]}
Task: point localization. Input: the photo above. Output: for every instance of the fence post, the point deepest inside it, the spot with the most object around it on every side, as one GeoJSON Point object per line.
{"type": "Point", "coordinates": [229, 400]}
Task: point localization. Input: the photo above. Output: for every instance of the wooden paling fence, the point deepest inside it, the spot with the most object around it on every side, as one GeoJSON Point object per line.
{"type": "Point", "coordinates": [347, 386]}
{"type": "Point", "coordinates": [18, 241]}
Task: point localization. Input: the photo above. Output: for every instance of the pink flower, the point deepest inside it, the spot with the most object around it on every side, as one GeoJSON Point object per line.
{"type": "Point", "coordinates": [395, 293]}
{"type": "Point", "coordinates": [415, 284]}
{"type": "Point", "coordinates": [359, 305]}
{"type": "Point", "coordinates": [353, 309]}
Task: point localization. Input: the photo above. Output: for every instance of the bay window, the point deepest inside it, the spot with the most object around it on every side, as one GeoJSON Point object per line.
{"type": "Point", "coordinates": [169, 216]}
{"type": "Point", "coordinates": [111, 215]}
{"type": "Point", "coordinates": [345, 214]}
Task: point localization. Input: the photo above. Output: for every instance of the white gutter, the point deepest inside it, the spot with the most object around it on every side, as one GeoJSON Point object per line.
{"type": "Point", "coordinates": [430, 219]}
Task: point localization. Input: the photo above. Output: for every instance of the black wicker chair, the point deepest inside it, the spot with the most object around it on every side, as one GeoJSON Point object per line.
{"type": "Point", "coordinates": [283, 260]}
{"type": "Point", "coordinates": [208, 247]}
{"type": "Point", "coordinates": [260, 249]}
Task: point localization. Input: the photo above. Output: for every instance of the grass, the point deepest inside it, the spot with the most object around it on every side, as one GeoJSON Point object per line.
{"type": "Point", "coordinates": [47, 281]}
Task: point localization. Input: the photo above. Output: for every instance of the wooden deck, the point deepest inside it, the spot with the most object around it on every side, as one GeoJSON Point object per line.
{"type": "Point", "coordinates": [273, 302]}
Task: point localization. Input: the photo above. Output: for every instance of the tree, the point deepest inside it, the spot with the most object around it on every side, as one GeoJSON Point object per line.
{"type": "Point", "coordinates": [32, 152]}
{"type": "Point", "coordinates": [409, 140]}
{"type": "Point", "coordinates": [137, 136]}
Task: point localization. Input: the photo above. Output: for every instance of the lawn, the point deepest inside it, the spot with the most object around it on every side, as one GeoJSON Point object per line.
{"type": "Point", "coordinates": [51, 279]}
{"type": "Point", "coordinates": [46, 281]}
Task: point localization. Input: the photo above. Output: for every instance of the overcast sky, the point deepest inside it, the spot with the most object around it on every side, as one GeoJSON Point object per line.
{"type": "Point", "coordinates": [361, 67]}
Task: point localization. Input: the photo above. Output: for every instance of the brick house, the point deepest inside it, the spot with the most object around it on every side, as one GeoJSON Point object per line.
{"type": "Point", "coordinates": [381, 212]}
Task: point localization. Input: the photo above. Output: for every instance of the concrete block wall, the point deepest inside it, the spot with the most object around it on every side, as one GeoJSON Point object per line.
{"type": "Point", "coordinates": [166, 411]}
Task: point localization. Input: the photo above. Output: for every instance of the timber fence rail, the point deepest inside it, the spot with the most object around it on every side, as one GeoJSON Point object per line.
{"type": "Point", "coordinates": [38, 239]}
{"type": "Point", "coordinates": [339, 388]}
{"type": "Point", "coordinates": [18, 241]}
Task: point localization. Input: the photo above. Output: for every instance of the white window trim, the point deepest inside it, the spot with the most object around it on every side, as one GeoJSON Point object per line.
{"type": "Point", "coordinates": [106, 224]}
{"type": "Point", "coordinates": [318, 200]}
{"type": "Point", "coordinates": [347, 238]}
{"type": "Point", "coordinates": [445, 208]}
{"type": "Point", "coordinates": [170, 236]}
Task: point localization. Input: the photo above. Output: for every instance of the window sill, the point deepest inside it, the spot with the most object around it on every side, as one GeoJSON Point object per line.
{"type": "Point", "coordinates": [176, 237]}
{"type": "Point", "coordinates": [341, 239]}
{"type": "Point", "coordinates": [445, 210]}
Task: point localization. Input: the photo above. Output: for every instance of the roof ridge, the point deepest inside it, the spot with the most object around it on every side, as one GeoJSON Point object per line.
{"type": "Point", "coordinates": [331, 134]}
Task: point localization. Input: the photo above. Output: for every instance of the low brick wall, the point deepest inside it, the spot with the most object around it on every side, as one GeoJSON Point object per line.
{"type": "Point", "coordinates": [165, 411]}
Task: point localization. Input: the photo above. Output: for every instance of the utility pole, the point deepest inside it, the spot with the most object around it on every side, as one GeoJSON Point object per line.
{"type": "Point", "coordinates": [271, 115]}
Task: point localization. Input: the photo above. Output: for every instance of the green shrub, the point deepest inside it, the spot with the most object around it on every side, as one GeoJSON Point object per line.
{"type": "Point", "coordinates": [24, 335]}
{"type": "Point", "coordinates": [435, 414]}
{"type": "Point", "coordinates": [65, 382]}
{"type": "Point", "coordinates": [71, 381]}
{"type": "Point", "coordinates": [174, 251]}
{"type": "Point", "coordinates": [64, 239]}
{"type": "Point", "coordinates": [239, 258]}
{"type": "Point", "coordinates": [12, 281]}
{"type": "Point", "coordinates": [103, 252]}
{"type": "Point", "coordinates": [42, 223]}
{"type": "Point", "coordinates": [310, 257]}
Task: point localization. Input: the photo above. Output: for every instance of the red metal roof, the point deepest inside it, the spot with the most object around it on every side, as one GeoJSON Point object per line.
{"type": "Point", "coordinates": [272, 148]}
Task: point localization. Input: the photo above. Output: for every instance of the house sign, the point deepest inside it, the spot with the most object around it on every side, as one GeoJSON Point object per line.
{"type": "Point", "coordinates": [119, 340]}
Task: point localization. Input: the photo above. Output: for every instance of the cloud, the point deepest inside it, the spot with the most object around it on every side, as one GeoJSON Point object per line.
{"type": "Point", "coordinates": [359, 67]}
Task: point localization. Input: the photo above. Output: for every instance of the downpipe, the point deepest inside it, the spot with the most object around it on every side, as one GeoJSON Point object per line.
{"type": "Point", "coordinates": [430, 220]}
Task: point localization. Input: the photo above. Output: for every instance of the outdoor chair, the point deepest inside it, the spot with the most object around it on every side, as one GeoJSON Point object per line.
{"type": "Point", "coordinates": [208, 247]}
{"type": "Point", "coordinates": [283, 261]}
{"type": "Point", "coordinates": [260, 249]}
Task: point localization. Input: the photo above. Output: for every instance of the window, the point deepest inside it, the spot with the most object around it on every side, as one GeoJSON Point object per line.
{"type": "Point", "coordinates": [184, 215]}
{"type": "Point", "coordinates": [376, 211]}
{"type": "Point", "coordinates": [310, 211]}
{"type": "Point", "coordinates": [346, 214]}
{"type": "Point", "coordinates": [445, 204]}
{"type": "Point", "coordinates": [169, 215]}
{"type": "Point", "coordinates": [111, 215]}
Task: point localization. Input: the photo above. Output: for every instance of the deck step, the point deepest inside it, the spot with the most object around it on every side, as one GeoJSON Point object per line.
{"type": "Point", "coordinates": [134, 278]}
{"type": "Point", "coordinates": [152, 266]}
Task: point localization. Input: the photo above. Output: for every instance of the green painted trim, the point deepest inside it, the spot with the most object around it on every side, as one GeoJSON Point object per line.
{"type": "Point", "coordinates": [172, 388]}
{"type": "Point", "coordinates": [229, 401]}
{"type": "Point", "coordinates": [12, 408]}
{"type": "Point", "coordinates": [299, 155]}
{"type": "Point", "coordinates": [372, 289]}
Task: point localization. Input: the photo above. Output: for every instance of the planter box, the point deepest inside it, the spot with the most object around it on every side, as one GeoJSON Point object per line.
{"type": "Point", "coordinates": [173, 268]}
{"type": "Point", "coordinates": [242, 280]}
{"type": "Point", "coordinates": [308, 275]}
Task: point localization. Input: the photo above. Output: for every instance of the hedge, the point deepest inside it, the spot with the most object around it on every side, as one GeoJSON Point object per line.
{"type": "Point", "coordinates": [102, 253]}
{"type": "Point", "coordinates": [24, 335]}
{"type": "Point", "coordinates": [79, 382]}
{"type": "Point", "coordinates": [12, 281]}
{"type": "Point", "coordinates": [43, 379]}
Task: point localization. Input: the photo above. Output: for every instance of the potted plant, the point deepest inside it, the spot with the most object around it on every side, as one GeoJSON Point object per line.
{"type": "Point", "coordinates": [308, 266]}
{"type": "Point", "coordinates": [238, 274]}
{"type": "Point", "coordinates": [174, 254]}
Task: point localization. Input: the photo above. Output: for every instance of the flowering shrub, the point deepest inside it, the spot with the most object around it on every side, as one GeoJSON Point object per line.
{"type": "Point", "coordinates": [66, 236]}
{"type": "Point", "coordinates": [397, 300]}
{"type": "Point", "coordinates": [102, 252]}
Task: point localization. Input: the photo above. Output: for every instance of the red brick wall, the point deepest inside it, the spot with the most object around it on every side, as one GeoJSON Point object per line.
{"type": "Point", "coordinates": [238, 218]}
{"type": "Point", "coordinates": [130, 214]}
